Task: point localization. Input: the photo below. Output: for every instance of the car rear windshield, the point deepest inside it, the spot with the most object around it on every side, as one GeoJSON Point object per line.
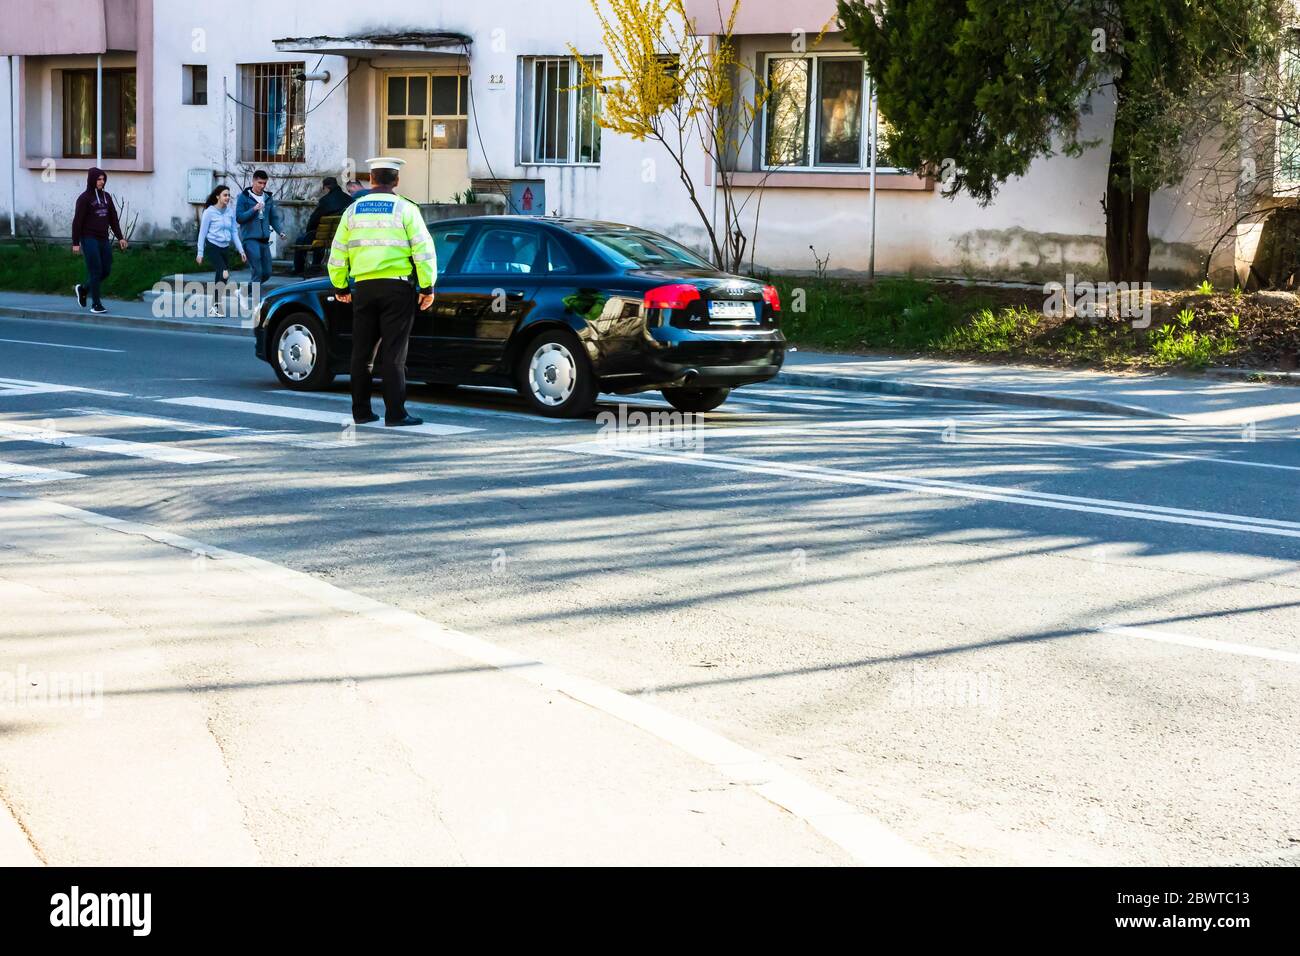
{"type": "Point", "coordinates": [645, 250]}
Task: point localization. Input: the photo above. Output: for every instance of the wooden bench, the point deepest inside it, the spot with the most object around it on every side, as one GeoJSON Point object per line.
{"type": "Point", "coordinates": [323, 239]}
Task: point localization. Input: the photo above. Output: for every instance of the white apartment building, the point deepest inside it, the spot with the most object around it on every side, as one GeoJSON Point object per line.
{"type": "Point", "coordinates": [482, 94]}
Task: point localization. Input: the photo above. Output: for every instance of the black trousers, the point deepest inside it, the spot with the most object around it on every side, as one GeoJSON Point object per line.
{"type": "Point", "coordinates": [383, 310]}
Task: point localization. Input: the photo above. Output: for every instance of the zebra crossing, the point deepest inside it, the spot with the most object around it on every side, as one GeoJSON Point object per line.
{"type": "Point", "coordinates": [160, 429]}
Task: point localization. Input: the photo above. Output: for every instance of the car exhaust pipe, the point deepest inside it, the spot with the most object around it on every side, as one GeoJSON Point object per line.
{"type": "Point", "coordinates": [690, 375]}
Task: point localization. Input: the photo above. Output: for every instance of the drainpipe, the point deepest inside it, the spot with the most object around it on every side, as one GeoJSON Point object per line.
{"type": "Point", "coordinates": [871, 261]}
{"type": "Point", "coordinates": [13, 149]}
{"type": "Point", "coordinates": [99, 110]}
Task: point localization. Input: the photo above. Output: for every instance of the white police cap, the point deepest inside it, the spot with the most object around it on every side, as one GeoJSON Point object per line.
{"type": "Point", "coordinates": [385, 162]}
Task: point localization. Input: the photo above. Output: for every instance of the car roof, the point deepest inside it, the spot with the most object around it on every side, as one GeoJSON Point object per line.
{"type": "Point", "coordinates": [564, 222]}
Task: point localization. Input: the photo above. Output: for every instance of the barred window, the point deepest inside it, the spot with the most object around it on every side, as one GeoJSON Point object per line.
{"type": "Point", "coordinates": [271, 110]}
{"type": "Point", "coordinates": [560, 118]}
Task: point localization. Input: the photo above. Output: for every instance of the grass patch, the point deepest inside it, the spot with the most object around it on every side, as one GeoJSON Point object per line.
{"type": "Point", "coordinates": [840, 314]}
{"type": "Point", "coordinates": [56, 269]}
{"type": "Point", "coordinates": [960, 321]}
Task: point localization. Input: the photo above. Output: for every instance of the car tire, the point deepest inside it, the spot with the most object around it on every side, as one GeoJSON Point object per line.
{"type": "Point", "coordinates": [555, 377]}
{"type": "Point", "coordinates": [299, 353]}
{"type": "Point", "coordinates": [696, 399]}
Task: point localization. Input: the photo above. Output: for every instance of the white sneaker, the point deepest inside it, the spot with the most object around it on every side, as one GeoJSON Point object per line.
{"type": "Point", "coordinates": [216, 313]}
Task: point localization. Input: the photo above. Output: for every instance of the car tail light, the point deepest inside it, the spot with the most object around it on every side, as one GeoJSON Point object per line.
{"type": "Point", "coordinates": [771, 298]}
{"type": "Point", "coordinates": [677, 296]}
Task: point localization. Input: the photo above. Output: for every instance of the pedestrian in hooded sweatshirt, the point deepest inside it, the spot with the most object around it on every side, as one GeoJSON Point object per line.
{"type": "Point", "coordinates": [258, 215]}
{"type": "Point", "coordinates": [93, 220]}
{"type": "Point", "coordinates": [217, 231]}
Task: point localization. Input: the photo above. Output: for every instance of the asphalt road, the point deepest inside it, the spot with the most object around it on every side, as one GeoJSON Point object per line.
{"type": "Point", "coordinates": [1013, 636]}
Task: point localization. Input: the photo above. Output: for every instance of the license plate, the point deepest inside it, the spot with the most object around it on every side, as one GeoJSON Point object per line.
{"type": "Point", "coordinates": [732, 310]}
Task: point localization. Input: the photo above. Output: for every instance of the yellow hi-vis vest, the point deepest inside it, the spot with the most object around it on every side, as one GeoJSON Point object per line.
{"type": "Point", "coordinates": [379, 236]}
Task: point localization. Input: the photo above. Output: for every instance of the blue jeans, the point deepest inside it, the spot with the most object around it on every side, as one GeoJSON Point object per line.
{"type": "Point", "coordinates": [99, 263]}
{"type": "Point", "coordinates": [259, 258]}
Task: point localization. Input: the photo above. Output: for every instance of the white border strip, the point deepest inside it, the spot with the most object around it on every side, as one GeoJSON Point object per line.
{"type": "Point", "coordinates": [867, 840]}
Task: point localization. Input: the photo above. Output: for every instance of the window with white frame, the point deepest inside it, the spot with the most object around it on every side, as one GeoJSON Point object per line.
{"type": "Point", "coordinates": [817, 114]}
{"type": "Point", "coordinates": [1288, 138]}
{"type": "Point", "coordinates": [559, 116]}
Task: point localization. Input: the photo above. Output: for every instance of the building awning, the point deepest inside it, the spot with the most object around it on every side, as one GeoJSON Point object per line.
{"type": "Point", "coordinates": [67, 28]}
{"type": "Point", "coordinates": [370, 44]}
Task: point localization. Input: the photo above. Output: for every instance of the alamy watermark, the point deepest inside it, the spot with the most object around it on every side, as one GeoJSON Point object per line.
{"type": "Point", "coordinates": [946, 689]}
{"type": "Point", "coordinates": [177, 298]}
{"type": "Point", "coordinates": [1096, 300]}
{"type": "Point", "coordinates": [677, 431]}
{"type": "Point", "coordinates": [53, 690]}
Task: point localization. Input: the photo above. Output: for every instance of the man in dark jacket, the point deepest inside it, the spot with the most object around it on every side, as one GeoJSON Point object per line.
{"type": "Point", "coordinates": [258, 215]}
{"type": "Point", "coordinates": [93, 220]}
{"type": "Point", "coordinates": [332, 202]}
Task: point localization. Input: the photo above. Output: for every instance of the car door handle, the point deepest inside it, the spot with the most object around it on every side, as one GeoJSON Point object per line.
{"type": "Point", "coordinates": [515, 294]}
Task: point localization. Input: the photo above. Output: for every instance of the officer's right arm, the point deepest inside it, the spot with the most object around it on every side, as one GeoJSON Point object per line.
{"type": "Point", "coordinates": [338, 260]}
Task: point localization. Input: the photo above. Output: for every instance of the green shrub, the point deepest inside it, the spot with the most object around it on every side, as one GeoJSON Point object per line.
{"type": "Point", "coordinates": [56, 269]}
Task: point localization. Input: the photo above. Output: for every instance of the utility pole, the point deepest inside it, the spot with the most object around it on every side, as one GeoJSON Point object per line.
{"type": "Point", "coordinates": [99, 110]}
{"type": "Point", "coordinates": [871, 261]}
{"type": "Point", "coordinates": [13, 148]}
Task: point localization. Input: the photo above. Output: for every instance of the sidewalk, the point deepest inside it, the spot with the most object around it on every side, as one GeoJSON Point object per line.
{"type": "Point", "coordinates": [1203, 400]}
{"type": "Point", "coordinates": [220, 710]}
{"type": "Point", "coordinates": [132, 313]}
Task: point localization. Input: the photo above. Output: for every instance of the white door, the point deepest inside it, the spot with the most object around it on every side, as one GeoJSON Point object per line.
{"type": "Point", "coordinates": [426, 124]}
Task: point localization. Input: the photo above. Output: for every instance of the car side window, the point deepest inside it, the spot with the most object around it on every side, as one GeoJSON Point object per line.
{"type": "Point", "coordinates": [557, 260]}
{"type": "Point", "coordinates": [500, 251]}
{"type": "Point", "coordinates": [446, 240]}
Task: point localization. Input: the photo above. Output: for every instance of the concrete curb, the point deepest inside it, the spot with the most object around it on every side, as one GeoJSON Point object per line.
{"type": "Point", "coordinates": [857, 383]}
{"type": "Point", "coordinates": [122, 321]}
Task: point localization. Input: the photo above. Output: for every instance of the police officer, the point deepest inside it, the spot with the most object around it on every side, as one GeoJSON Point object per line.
{"type": "Point", "coordinates": [379, 237]}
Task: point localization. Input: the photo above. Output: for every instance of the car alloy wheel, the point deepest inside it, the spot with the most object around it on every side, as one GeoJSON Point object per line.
{"type": "Point", "coordinates": [297, 352]}
{"type": "Point", "coordinates": [552, 374]}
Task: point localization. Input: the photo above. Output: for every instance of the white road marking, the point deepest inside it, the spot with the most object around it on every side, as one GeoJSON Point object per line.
{"type": "Point", "coordinates": [1126, 450]}
{"type": "Point", "coordinates": [733, 400]}
{"type": "Point", "coordinates": [235, 432]}
{"type": "Point", "coordinates": [812, 427]}
{"type": "Point", "coordinates": [57, 345]}
{"type": "Point", "coordinates": [952, 489]}
{"type": "Point", "coordinates": [308, 415]}
{"type": "Point", "coordinates": [819, 395]}
{"type": "Point", "coordinates": [11, 471]}
{"type": "Point", "coordinates": [18, 386]}
{"type": "Point", "coordinates": [438, 408]}
{"type": "Point", "coordinates": [1202, 643]}
{"type": "Point", "coordinates": [867, 840]}
{"type": "Point", "coordinates": [11, 431]}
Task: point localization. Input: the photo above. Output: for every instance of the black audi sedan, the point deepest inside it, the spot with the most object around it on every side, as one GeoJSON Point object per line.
{"type": "Point", "coordinates": [560, 309]}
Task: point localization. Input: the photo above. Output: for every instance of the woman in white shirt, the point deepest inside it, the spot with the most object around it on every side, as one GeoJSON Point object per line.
{"type": "Point", "coordinates": [217, 230]}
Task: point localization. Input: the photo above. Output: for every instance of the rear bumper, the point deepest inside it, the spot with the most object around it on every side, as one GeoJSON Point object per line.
{"type": "Point", "coordinates": [671, 357]}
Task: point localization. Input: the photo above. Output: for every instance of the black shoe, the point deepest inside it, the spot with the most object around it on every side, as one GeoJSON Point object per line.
{"type": "Point", "coordinates": [98, 308]}
{"type": "Point", "coordinates": [365, 419]}
{"type": "Point", "coordinates": [408, 420]}
{"type": "Point", "coordinates": [80, 291]}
